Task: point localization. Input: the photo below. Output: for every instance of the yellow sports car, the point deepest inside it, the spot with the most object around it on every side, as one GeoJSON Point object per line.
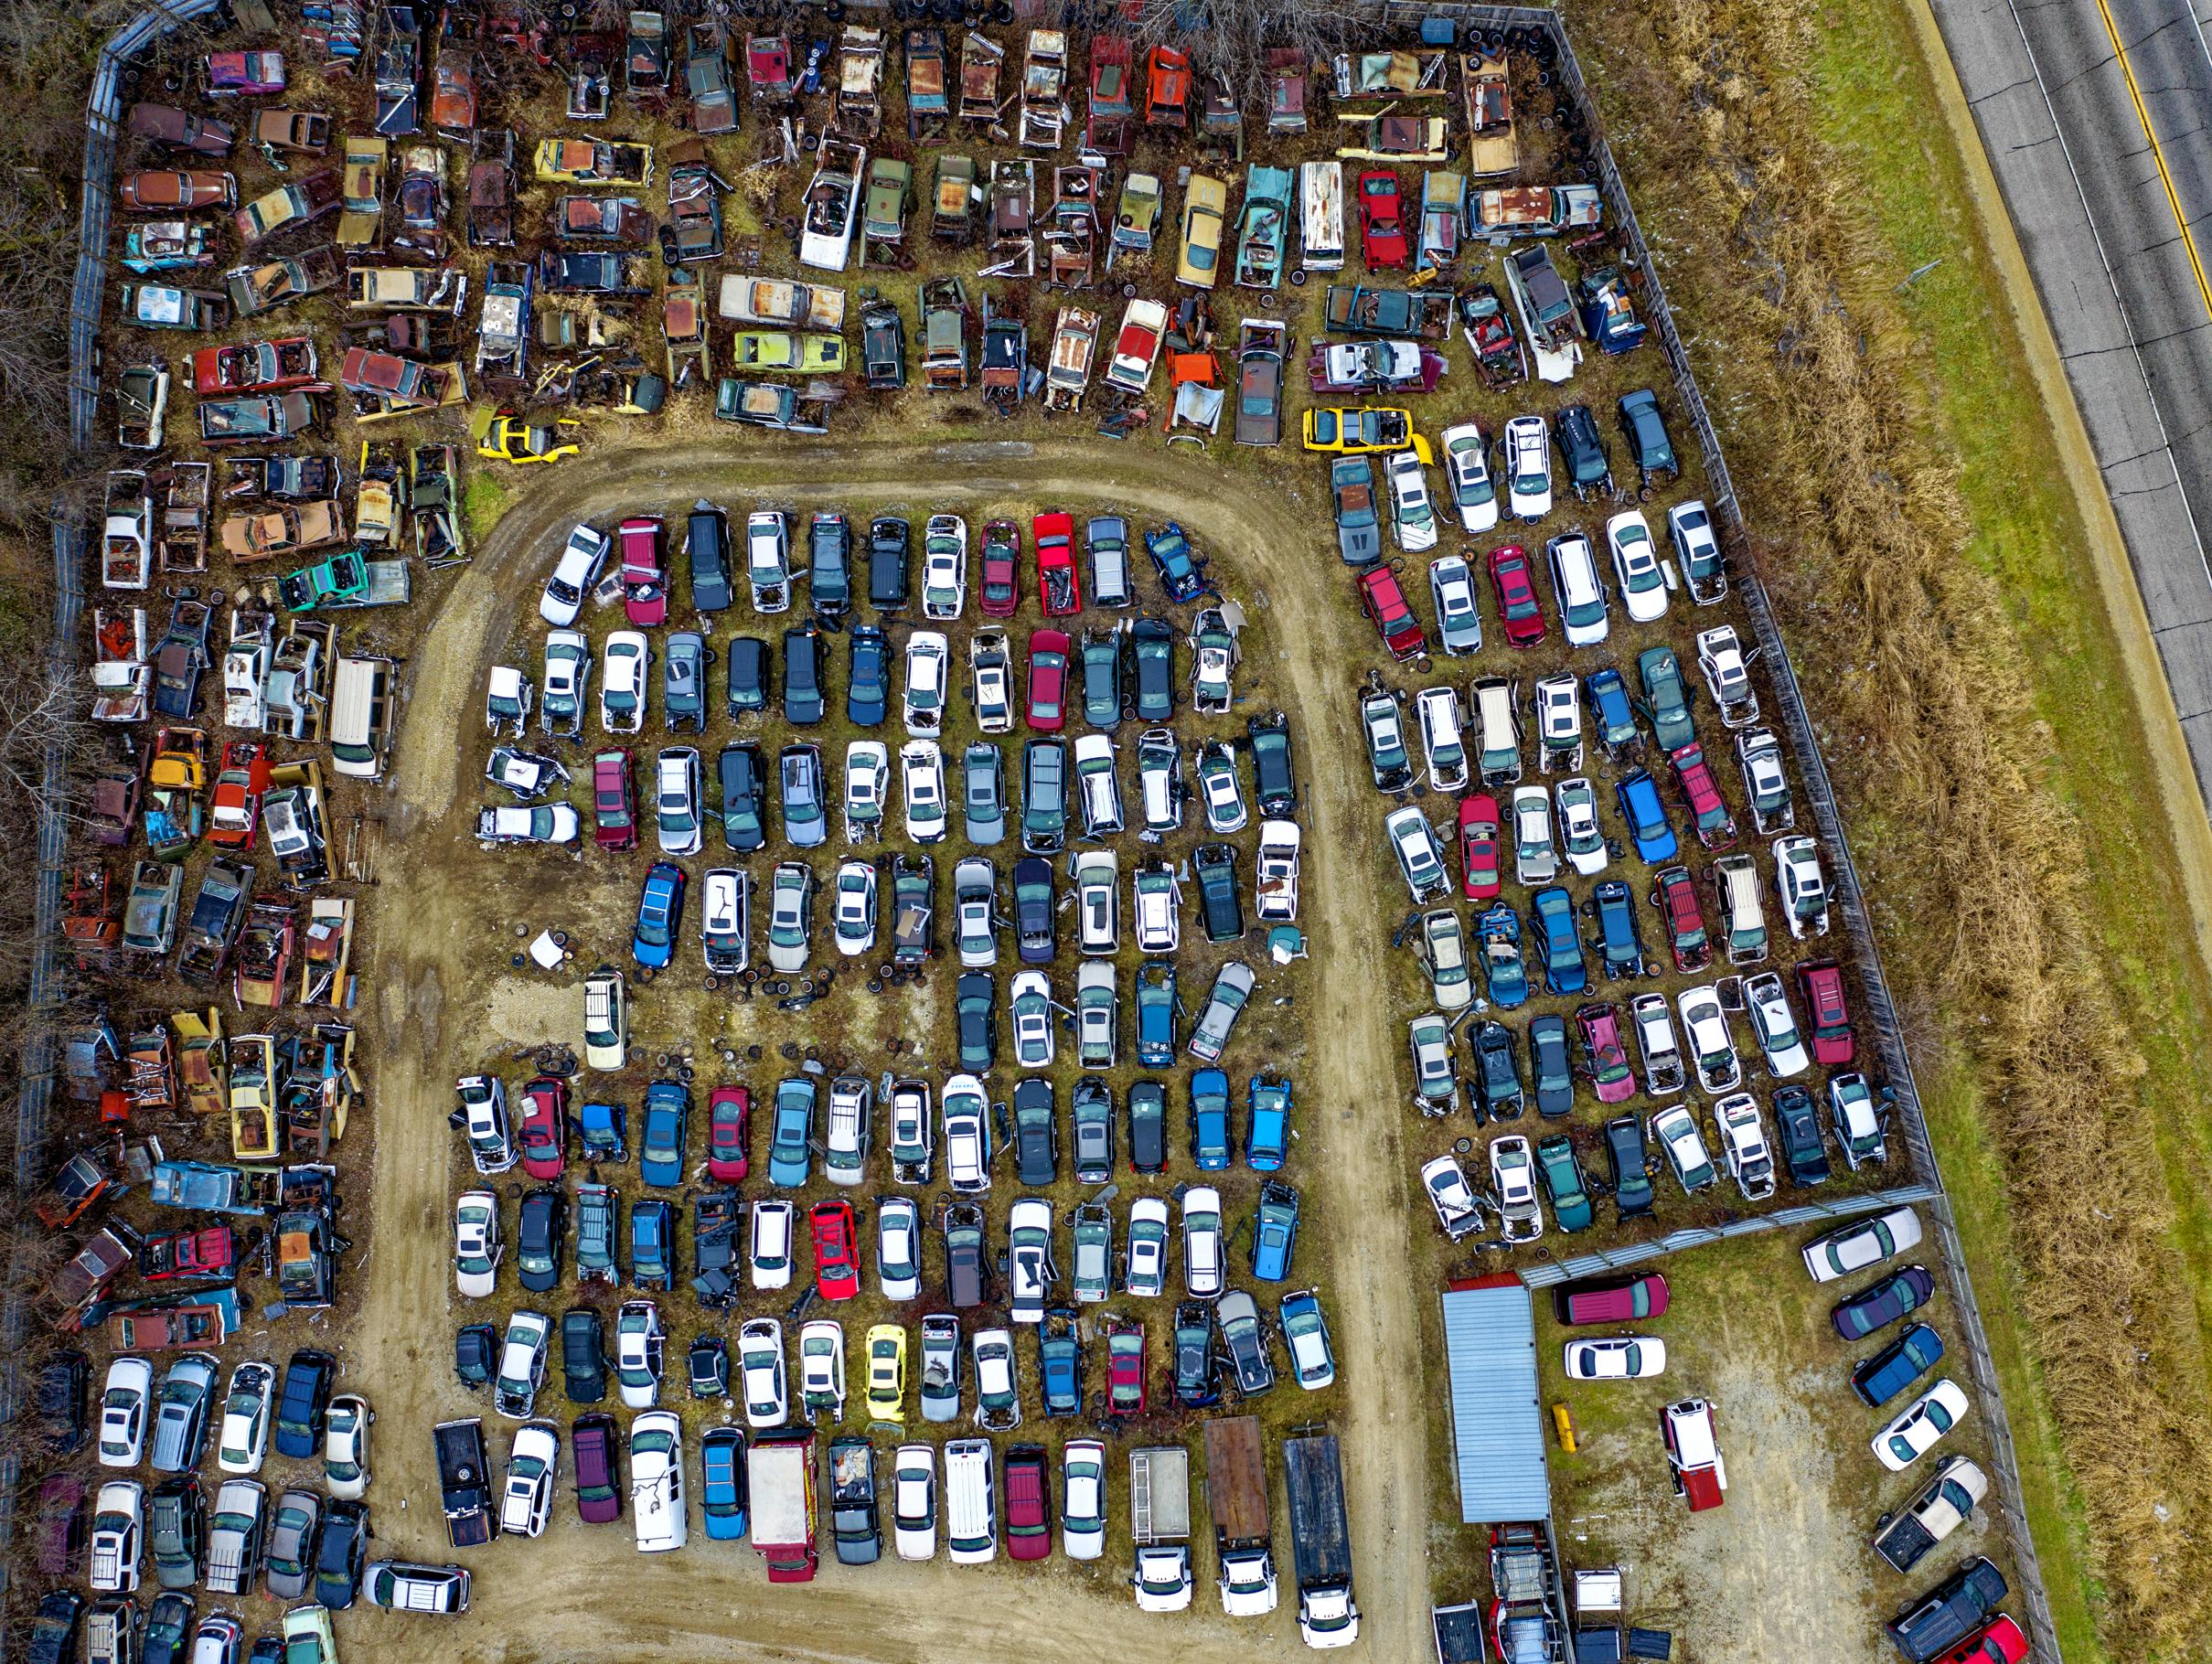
{"type": "Point", "coordinates": [1356, 431]}
{"type": "Point", "coordinates": [510, 438]}
{"type": "Point", "coordinates": [887, 1373]}
{"type": "Point", "coordinates": [1206, 206]}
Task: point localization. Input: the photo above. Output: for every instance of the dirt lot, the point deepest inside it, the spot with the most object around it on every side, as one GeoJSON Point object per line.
{"type": "Point", "coordinates": [430, 1030]}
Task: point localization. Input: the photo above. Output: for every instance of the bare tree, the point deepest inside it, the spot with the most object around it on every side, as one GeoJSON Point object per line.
{"type": "Point", "coordinates": [37, 263]}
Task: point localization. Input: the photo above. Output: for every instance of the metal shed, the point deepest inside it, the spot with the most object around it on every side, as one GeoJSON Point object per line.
{"type": "Point", "coordinates": [1497, 1419]}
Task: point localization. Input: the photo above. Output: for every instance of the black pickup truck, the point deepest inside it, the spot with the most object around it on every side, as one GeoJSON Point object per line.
{"type": "Point", "coordinates": [465, 1483]}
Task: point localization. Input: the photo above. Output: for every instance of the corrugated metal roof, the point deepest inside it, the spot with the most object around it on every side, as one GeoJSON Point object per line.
{"type": "Point", "coordinates": [1497, 1419]}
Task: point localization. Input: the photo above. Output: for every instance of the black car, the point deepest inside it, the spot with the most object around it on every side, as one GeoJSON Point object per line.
{"type": "Point", "coordinates": [475, 1354]}
{"type": "Point", "coordinates": [1876, 1307]}
{"type": "Point", "coordinates": [1092, 1108]}
{"type": "Point", "coordinates": [168, 1632]}
{"type": "Point", "coordinates": [829, 564]}
{"type": "Point", "coordinates": [707, 547]}
{"type": "Point", "coordinates": [964, 1255]}
{"type": "Point", "coordinates": [750, 674]}
{"type": "Point", "coordinates": [176, 1528]}
{"type": "Point", "coordinates": [1631, 1167]}
{"type": "Point", "coordinates": [976, 1001]}
{"type": "Point", "coordinates": [1152, 645]}
{"type": "Point", "coordinates": [1034, 910]}
{"type": "Point", "coordinates": [1796, 1125]}
{"type": "Point", "coordinates": [744, 782]}
{"type": "Point", "coordinates": [1552, 1063]}
{"type": "Point", "coordinates": [539, 1233]}
{"type": "Point", "coordinates": [1148, 1127]}
{"type": "Point", "coordinates": [1244, 1339]}
{"type": "Point", "coordinates": [299, 1408]}
{"type": "Point", "coordinates": [584, 1357]}
{"type": "Point", "coordinates": [1036, 1133]}
{"type": "Point", "coordinates": [60, 1400]}
{"type": "Point", "coordinates": [803, 676]}
{"type": "Point", "coordinates": [1217, 899]}
{"type": "Point", "coordinates": [1274, 780]}
{"type": "Point", "coordinates": [1497, 1071]}
{"type": "Point", "coordinates": [1194, 1357]}
{"type": "Point", "coordinates": [54, 1633]}
{"type": "Point", "coordinates": [708, 1363]}
{"type": "Point", "coordinates": [867, 692]}
{"type": "Point", "coordinates": [1588, 469]}
{"type": "Point", "coordinates": [1950, 1612]}
{"type": "Point", "coordinates": [337, 1565]}
{"type": "Point", "coordinates": [889, 546]}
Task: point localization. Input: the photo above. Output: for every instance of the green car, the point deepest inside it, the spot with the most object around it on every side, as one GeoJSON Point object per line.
{"type": "Point", "coordinates": [1666, 701]}
{"type": "Point", "coordinates": [1563, 1177]}
{"type": "Point", "coordinates": [326, 584]}
{"type": "Point", "coordinates": [780, 352]}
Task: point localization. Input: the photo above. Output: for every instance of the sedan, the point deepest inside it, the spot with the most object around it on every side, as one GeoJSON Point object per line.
{"type": "Point", "coordinates": [1643, 586]}
{"type": "Point", "coordinates": [761, 1383]}
{"type": "Point", "coordinates": [897, 1249]}
{"type": "Point", "coordinates": [1452, 585]}
{"type": "Point", "coordinates": [837, 1269]}
{"type": "Point", "coordinates": [1511, 577]}
{"type": "Point", "coordinates": [1528, 467]}
{"type": "Point", "coordinates": [1414, 515]}
{"type": "Point", "coordinates": [1048, 676]}
{"type": "Point", "coordinates": [855, 925]}
{"type": "Point", "coordinates": [944, 567]}
{"type": "Point", "coordinates": [727, 1110]}
{"type": "Point", "coordinates": [1035, 1025]}
{"type": "Point", "coordinates": [1467, 469]}
{"type": "Point", "coordinates": [242, 1442]}
{"type": "Point", "coordinates": [477, 1249]}
{"type": "Point", "coordinates": [928, 674]}
{"type": "Point", "coordinates": [1622, 1358]}
{"type": "Point", "coordinates": [1306, 1334]}
{"type": "Point", "coordinates": [1916, 1429]}
{"type": "Point", "coordinates": [1145, 1273]}
{"type": "Point", "coordinates": [1838, 1253]}
{"type": "Point", "coordinates": [1083, 1511]}
{"type": "Point", "coordinates": [660, 905]}
{"type": "Point", "coordinates": [1244, 1342]}
{"type": "Point", "coordinates": [622, 689]}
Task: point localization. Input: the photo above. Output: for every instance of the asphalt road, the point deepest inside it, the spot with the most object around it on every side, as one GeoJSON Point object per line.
{"type": "Point", "coordinates": [2104, 155]}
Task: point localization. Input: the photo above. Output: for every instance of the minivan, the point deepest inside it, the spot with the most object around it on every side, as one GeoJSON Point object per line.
{"type": "Point", "coordinates": [708, 549]}
{"type": "Point", "coordinates": [1099, 790]}
{"type": "Point", "coordinates": [1043, 796]}
{"type": "Point", "coordinates": [971, 1515]}
{"type": "Point", "coordinates": [1497, 733]}
{"type": "Point", "coordinates": [360, 717]}
{"type": "Point", "coordinates": [1107, 538]}
{"type": "Point", "coordinates": [1743, 922]}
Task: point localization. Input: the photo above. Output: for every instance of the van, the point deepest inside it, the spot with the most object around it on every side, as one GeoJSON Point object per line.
{"type": "Point", "coordinates": [1321, 216]}
{"type": "Point", "coordinates": [1497, 733]}
{"type": "Point", "coordinates": [971, 1515]}
{"type": "Point", "coordinates": [1107, 538]}
{"type": "Point", "coordinates": [360, 717]}
{"type": "Point", "coordinates": [1735, 885]}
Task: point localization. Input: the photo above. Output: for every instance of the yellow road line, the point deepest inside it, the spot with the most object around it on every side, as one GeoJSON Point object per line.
{"type": "Point", "coordinates": [2197, 264]}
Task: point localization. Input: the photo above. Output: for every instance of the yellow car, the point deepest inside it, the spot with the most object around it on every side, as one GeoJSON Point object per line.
{"type": "Point", "coordinates": [1206, 206]}
{"type": "Point", "coordinates": [1355, 432]}
{"type": "Point", "coordinates": [252, 1098]}
{"type": "Point", "coordinates": [510, 438]}
{"type": "Point", "coordinates": [887, 1374]}
{"type": "Point", "coordinates": [594, 162]}
{"type": "Point", "coordinates": [778, 351]}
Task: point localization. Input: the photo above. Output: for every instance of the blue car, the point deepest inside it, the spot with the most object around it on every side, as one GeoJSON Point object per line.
{"type": "Point", "coordinates": [1609, 705]}
{"type": "Point", "coordinates": [652, 1243]}
{"type": "Point", "coordinates": [661, 906]}
{"type": "Point", "coordinates": [300, 1407]}
{"type": "Point", "coordinates": [660, 1153]}
{"type": "Point", "coordinates": [1268, 1131]}
{"type": "Point", "coordinates": [722, 1471]}
{"type": "Point", "coordinates": [868, 695]}
{"type": "Point", "coordinates": [1274, 1231]}
{"type": "Point", "coordinates": [1552, 912]}
{"type": "Point", "coordinates": [1060, 1364]}
{"type": "Point", "coordinates": [1156, 1015]}
{"type": "Point", "coordinates": [1498, 933]}
{"type": "Point", "coordinates": [1620, 941]}
{"type": "Point", "coordinates": [1209, 1120]}
{"type": "Point", "coordinates": [1180, 575]}
{"type": "Point", "coordinates": [1647, 818]}
{"type": "Point", "coordinates": [1897, 1366]}
{"type": "Point", "coordinates": [790, 1151]}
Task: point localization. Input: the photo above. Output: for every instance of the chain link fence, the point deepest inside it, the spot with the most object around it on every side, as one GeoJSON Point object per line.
{"type": "Point", "coordinates": [1699, 1236]}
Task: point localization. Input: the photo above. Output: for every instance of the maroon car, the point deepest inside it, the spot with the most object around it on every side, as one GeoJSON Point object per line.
{"type": "Point", "coordinates": [1124, 1367]}
{"type": "Point", "coordinates": [163, 127]}
{"type": "Point", "coordinates": [1517, 604]}
{"type": "Point", "coordinates": [614, 803]}
{"type": "Point", "coordinates": [1626, 1299]}
{"type": "Point", "coordinates": [1821, 983]}
{"type": "Point", "coordinates": [1029, 1503]}
{"type": "Point", "coordinates": [1048, 680]}
{"type": "Point", "coordinates": [61, 1524]}
{"type": "Point", "coordinates": [727, 1109]}
{"type": "Point", "coordinates": [545, 1128]}
{"type": "Point", "coordinates": [1675, 895]}
{"type": "Point", "coordinates": [1603, 1055]}
{"type": "Point", "coordinates": [645, 570]}
{"type": "Point", "coordinates": [598, 1485]}
{"type": "Point", "coordinates": [1002, 593]}
{"type": "Point", "coordinates": [164, 190]}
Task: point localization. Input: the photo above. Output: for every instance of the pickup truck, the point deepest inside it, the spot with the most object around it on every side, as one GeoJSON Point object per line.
{"type": "Point", "coordinates": [854, 1523]}
{"type": "Point", "coordinates": [1937, 1508]}
{"type": "Point", "coordinates": [464, 1482]}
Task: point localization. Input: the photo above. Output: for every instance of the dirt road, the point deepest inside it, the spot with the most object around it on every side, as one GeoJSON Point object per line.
{"type": "Point", "coordinates": [579, 1596]}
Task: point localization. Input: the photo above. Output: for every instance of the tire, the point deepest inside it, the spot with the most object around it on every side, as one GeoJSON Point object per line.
{"type": "Point", "coordinates": [835, 11]}
{"type": "Point", "coordinates": [1298, 279]}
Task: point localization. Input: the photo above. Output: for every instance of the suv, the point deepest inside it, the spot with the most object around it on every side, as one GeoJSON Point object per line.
{"type": "Point", "coordinates": [1949, 1613]}
{"type": "Point", "coordinates": [1217, 896]}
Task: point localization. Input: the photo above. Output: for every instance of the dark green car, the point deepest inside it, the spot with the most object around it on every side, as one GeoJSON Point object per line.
{"type": "Point", "coordinates": [1666, 701]}
{"type": "Point", "coordinates": [1563, 1177]}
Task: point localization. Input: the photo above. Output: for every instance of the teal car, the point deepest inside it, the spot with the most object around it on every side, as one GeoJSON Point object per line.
{"type": "Point", "coordinates": [1570, 1192]}
{"type": "Point", "coordinates": [1666, 698]}
{"type": "Point", "coordinates": [790, 1146]}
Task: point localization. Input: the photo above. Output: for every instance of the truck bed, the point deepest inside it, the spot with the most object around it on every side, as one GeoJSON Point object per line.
{"type": "Point", "coordinates": [1236, 1479]}
{"type": "Point", "coordinates": [1159, 1494]}
{"type": "Point", "coordinates": [781, 1478]}
{"type": "Point", "coordinates": [1318, 1528]}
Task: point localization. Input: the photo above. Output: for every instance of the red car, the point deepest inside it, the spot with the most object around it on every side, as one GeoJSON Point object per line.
{"type": "Point", "coordinates": [1509, 575]}
{"type": "Point", "coordinates": [1385, 601]}
{"type": "Point", "coordinates": [614, 803]}
{"type": "Point", "coordinates": [1124, 1367]}
{"type": "Point", "coordinates": [1048, 680]}
{"type": "Point", "coordinates": [545, 1128]}
{"type": "Point", "coordinates": [210, 1252]}
{"type": "Point", "coordinates": [1999, 1641]}
{"type": "Point", "coordinates": [1821, 983]}
{"type": "Point", "coordinates": [837, 1274]}
{"type": "Point", "coordinates": [645, 570]}
{"type": "Point", "coordinates": [1603, 1055]}
{"type": "Point", "coordinates": [1029, 1504]}
{"type": "Point", "coordinates": [1479, 845]}
{"type": "Point", "coordinates": [1716, 827]}
{"type": "Point", "coordinates": [1675, 896]}
{"type": "Point", "coordinates": [1382, 220]}
{"type": "Point", "coordinates": [727, 1108]}
{"type": "Point", "coordinates": [1627, 1298]}
{"type": "Point", "coordinates": [598, 1485]}
{"type": "Point", "coordinates": [255, 367]}
{"type": "Point", "coordinates": [1002, 567]}
{"type": "Point", "coordinates": [1057, 581]}
{"type": "Point", "coordinates": [234, 809]}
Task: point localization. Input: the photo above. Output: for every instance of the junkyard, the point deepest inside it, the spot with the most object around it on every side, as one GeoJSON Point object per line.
{"type": "Point", "coordinates": [710, 553]}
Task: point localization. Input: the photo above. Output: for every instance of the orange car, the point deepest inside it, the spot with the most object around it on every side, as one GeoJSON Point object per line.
{"type": "Point", "coordinates": [235, 807]}
{"type": "Point", "coordinates": [167, 190]}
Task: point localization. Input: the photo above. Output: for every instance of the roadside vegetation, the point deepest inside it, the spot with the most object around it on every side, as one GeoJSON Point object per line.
{"type": "Point", "coordinates": [1907, 506]}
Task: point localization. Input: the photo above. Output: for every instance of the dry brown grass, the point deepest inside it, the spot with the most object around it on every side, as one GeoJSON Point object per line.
{"type": "Point", "coordinates": [1917, 671]}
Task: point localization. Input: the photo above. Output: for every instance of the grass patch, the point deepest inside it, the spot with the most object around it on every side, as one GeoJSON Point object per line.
{"type": "Point", "coordinates": [484, 499]}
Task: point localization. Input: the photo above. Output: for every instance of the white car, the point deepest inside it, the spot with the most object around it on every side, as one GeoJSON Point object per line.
{"type": "Point", "coordinates": [760, 1373]}
{"type": "Point", "coordinates": [1450, 1195]}
{"type": "Point", "coordinates": [1097, 787]}
{"type": "Point", "coordinates": [965, 1110]}
{"type": "Point", "coordinates": [1535, 859]}
{"type": "Point", "coordinates": [521, 1364]}
{"type": "Point", "coordinates": [1691, 526]}
{"type": "Point", "coordinates": [1414, 515]}
{"type": "Point", "coordinates": [1202, 1242]}
{"type": "Point", "coordinates": [1097, 876]}
{"type": "Point", "coordinates": [1083, 1499]}
{"type": "Point", "coordinates": [242, 1442]}
{"type": "Point", "coordinates": [1853, 1248]}
{"type": "Point", "coordinates": [1146, 1275]}
{"type": "Point", "coordinates": [126, 1406]}
{"type": "Point", "coordinates": [546, 823]}
{"type": "Point", "coordinates": [573, 575]}
{"type": "Point", "coordinates": [1774, 1026]}
{"type": "Point", "coordinates": [1726, 668]}
{"type": "Point", "coordinates": [1306, 1338]}
{"type": "Point", "coordinates": [822, 1367]}
{"type": "Point", "coordinates": [1436, 714]}
{"type": "Point", "coordinates": [477, 1248]}
{"type": "Point", "coordinates": [867, 783]}
{"type": "Point", "coordinates": [975, 900]}
{"type": "Point", "coordinates": [991, 681]}
{"type": "Point", "coordinates": [507, 698]}
{"type": "Point", "coordinates": [1743, 1144]}
{"type": "Point", "coordinates": [527, 1495]}
{"type": "Point", "coordinates": [1654, 1026]}
{"type": "Point", "coordinates": [790, 915]}
{"type": "Point", "coordinates": [845, 1136]}
{"type": "Point", "coordinates": [1712, 1051]}
{"type": "Point", "coordinates": [914, 1501]}
{"type": "Point", "coordinates": [639, 1343]}
{"type": "Point", "coordinates": [856, 907]}
{"type": "Point", "coordinates": [1580, 834]}
{"type": "Point", "coordinates": [1221, 793]}
{"type": "Point", "coordinates": [921, 780]}
{"type": "Point", "coordinates": [928, 663]}
{"type": "Point", "coordinates": [998, 1385]}
{"type": "Point", "coordinates": [725, 919]}
{"type": "Point", "coordinates": [1800, 885]}
{"type": "Point", "coordinates": [1451, 586]}
{"type": "Point", "coordinates": [565, 678]}
{"type": "Point", "coordinates": [1619, 1358]}
{"type": "Point", "coordinates": [1442, 946]}
{"type": "Point", "coordinates": [1643, 586]}
{"type": "Point", "coordinates": [1916, 1429]}
{"type": "Point", "coordinates": [1160, 781]}
{"type": "Point", "coordinates": [1578, 590]}
{"type": "Point", "coordinates": [1513, 1188]}
{"type": "Point", "coordinates": [656, 1482]}
{"type": "Point", "coordinates": [1028, 1254]}
{"type": "Point", "coordinates": [898, 1248]}
{"type": "Point", "coordinates": [944, 567]}
{"type": "Point", "coordinates": [622, 689]}
{"type": "Point", "coordinates": [1274, 877]}
{"type": "Point", "coordinates": [768, 559]}
{"type": "Point", "coordinates": [1528, 467]}
{"type": "Point", "coordinates": [1420, 857]}
{"type": "Point", "coordinates": [676, 822]}
{"type": "Point", "coordinates": [1674, 1130]}
{"type": "Point", "coordinates": [1467, 468]}
{"type": "Point", "coordinates": [1035, 1023]}
{"type": "Point", "coordinates": [1558, 705]}
{"type": "Point", "coordinates": [1159, 906]}
{"type": "Point", "coordinates": [346, 1446]}
{"type": "Point", "coordinates": [118, 1537]}
{"type": "Point", "coordinates": [1098, 1013]}
{"type": "Point", "coordinates": [770, 1247]}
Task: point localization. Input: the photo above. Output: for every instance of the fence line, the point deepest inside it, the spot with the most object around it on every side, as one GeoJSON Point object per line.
{"type": "Point", "coordinates": [1698, 1236]}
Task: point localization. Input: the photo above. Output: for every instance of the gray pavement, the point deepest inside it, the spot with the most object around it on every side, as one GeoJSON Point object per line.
{"type": "Point", "coordinates": [2129, 309]}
